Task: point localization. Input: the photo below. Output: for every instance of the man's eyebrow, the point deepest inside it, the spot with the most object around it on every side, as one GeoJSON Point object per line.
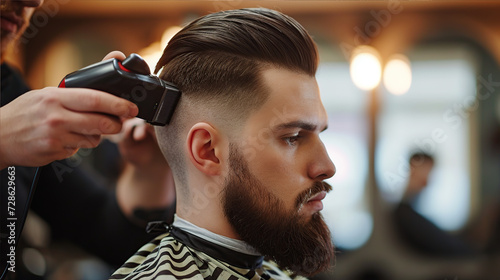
{"type": "Point", "coordinates": [298, 124]}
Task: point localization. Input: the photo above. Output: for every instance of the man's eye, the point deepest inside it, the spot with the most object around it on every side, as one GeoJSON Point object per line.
{"type": "Point", "coordinates": [291, 140]}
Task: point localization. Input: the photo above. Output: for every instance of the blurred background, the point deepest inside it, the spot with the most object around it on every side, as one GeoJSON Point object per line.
{"type": "Point", "coordinates": [395, 77]}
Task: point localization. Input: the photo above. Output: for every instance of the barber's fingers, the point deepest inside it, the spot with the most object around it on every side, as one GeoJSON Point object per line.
{"type": "Point", "coordinates": [89, 100]}
{"type": "Point", "coordinates": [138, 129]}
{"type": "Point", "coordinates": [66, 145]}
{"type": "Point", "coordinates": [115, 54]}
{"type": "Point", "coordinates": [92, 123]}
{"type": "Point", "coordinates": [131, 131]}
{"type": "Point", "coordinates": [74, 141]}
{"type": "Point", "coordinates": [141, 131]}
{"type": "Point", "coordinates": [71, 143]}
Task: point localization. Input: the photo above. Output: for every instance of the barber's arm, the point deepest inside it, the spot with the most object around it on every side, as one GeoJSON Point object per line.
{"type": "Point", "coordinates": [53, 123]}
{"type": "Point", "coordinates": [145, 189]}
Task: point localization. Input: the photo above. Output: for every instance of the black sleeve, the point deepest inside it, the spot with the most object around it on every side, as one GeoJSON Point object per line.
{"type": "Point", "coordinates": [81, 211]}
{"type": "Point", "coordinates": [426, 237]}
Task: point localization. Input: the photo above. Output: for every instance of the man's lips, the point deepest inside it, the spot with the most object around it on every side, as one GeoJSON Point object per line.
{"type": "Point", "coordinates": [317, 197]}
{"type": "Point", "coordinates": [315, 202]}
{"type": "Point", "coordinates": [11, 22]}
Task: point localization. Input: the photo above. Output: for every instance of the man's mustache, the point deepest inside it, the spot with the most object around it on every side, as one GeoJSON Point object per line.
{"type": "Point", "coordinates": [307, 194]}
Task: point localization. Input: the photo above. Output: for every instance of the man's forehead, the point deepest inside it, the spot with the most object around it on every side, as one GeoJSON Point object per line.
{"type": "Point", "coordinates": [286, 85]}
{"type": "Point", "coordinates": [293, 101]}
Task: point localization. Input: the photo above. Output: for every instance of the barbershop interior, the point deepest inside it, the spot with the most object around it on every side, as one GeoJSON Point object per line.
{"type": "Point", "coordinates": [397, 78]}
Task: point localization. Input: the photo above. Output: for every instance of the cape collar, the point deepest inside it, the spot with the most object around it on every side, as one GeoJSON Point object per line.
{"type": "Point", "coordinates": [234, 252]}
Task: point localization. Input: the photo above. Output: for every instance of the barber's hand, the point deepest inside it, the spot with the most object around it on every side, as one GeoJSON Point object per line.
{"type": "Point", "coordinates": [137, 140]}
{"type": "Point", "coordinates": [146, 182]}
{"type": "Point", "coordinates": [138, 146]}
{"type": "Point", "coordinates": [50, 124]}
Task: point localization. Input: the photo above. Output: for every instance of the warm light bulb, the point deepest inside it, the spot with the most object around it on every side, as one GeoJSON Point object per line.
{"type": "Point", "coordinates": [365, 68]}
{"type": "Point", "coordinates": [397, 75]}
{"type": "Point", "coordinates": [151, 59]}
{"type": "Point", "coordinates": [168, 34]}
{"type": "Point", "coordinates": [153, 52]}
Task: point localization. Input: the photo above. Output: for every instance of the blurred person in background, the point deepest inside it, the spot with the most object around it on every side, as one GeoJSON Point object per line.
{"type": "Point", "coordinates": [416, 230]}
{"type": "Point", "coordinates": [38, 127]}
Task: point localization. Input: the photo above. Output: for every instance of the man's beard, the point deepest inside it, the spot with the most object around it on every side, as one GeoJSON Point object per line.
{"type": "Point", "coordinates": [293, 241]}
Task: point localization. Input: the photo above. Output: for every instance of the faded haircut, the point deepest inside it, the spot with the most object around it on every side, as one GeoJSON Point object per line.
{"type": "Point", "coordinates": [217, 60]}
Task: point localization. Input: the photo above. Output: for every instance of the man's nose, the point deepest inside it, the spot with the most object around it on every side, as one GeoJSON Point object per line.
{"type": "Point", "coordinates": [321, 167]}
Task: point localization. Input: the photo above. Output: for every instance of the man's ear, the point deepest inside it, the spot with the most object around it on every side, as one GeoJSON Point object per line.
{"type": "Point", "coordinates": [203, 142]}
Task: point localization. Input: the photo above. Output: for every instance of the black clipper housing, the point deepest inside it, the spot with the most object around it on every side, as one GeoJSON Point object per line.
{"type": "Point", "coordinates": [131, 80]}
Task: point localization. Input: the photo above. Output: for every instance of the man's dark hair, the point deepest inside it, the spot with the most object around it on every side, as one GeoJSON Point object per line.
{"type": "Point", "coordinates": [217, 61]}
{"type": "Point", "coordinates": [419, 157]}
{"type": "Point", "coordinates": [238, 36]}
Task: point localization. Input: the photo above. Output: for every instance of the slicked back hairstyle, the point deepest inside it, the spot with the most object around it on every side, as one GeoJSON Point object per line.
{"type": "Point", "coordinates": [217, 60]}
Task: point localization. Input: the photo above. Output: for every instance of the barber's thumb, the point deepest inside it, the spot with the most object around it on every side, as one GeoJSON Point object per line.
{"type": "Point", "coordinates": [115, 54]}
{"type": "Point", "coordinates": [140, 132]}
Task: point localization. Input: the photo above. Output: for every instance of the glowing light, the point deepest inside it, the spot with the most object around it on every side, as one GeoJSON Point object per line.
{"type": "Point", "coordinates": [168, 34]}
{"type": "Point", "coordinates": [352, 229]}
{"type": "Point", "coordinates": [365, 68]}
{"type": "Point", "coordinates": [151, 55]}
{"type": "Point", "coordinates": [153, 52]}
{"type": "Point", "coordinates": [397, 75]}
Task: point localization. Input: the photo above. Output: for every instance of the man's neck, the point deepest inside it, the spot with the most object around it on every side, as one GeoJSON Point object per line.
{"type": "Point", "coordinates": [224, 241]}
{"type": "Point", "coordinates": [203, 208]}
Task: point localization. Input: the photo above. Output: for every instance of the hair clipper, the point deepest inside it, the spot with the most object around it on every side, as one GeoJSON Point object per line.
{"type": "Point", "coordinates": [129, 79]}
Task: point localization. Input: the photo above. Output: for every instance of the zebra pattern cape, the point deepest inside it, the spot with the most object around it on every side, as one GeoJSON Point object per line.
{"type": "Point", "coordinates": [181, 255]}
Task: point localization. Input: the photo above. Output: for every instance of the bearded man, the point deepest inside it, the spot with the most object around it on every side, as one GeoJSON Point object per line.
{"type": "Point", "coordinates": [245, 151]}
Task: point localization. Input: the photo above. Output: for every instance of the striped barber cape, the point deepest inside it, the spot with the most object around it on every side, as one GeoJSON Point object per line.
{"type": "Point", "coordinates": [181, 255]}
